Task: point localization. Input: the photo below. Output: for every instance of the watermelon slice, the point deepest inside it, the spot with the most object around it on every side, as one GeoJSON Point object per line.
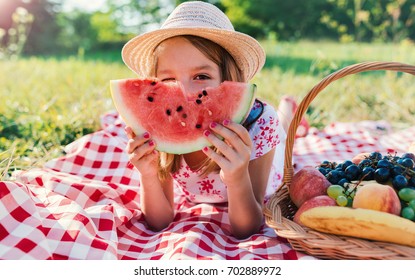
{"type": "Point", "coordinates": [176, 120]}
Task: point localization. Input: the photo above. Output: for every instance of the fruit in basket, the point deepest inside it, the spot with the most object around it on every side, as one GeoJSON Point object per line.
{"type": "Point", "coordinates": [343, 195]}
{"type": "Point", "coordinates": [396, 171]}
{"type": "Point", "coordinates": [408, 213]}
{"type": "Point", "coordinates": [409, 154]}
{"type": "Point", "coordinates": [378, 197]}
{"type": "Point", "coordinates": [362, 223]}
{"type": "Point", "coordinates": [407, 194]}
{"type": "Point", "coordinates": [321, 200]}
{"type": "Point", "coordinates": [307, 183]}
{"type": "Point", "coordinates": [359, 157]}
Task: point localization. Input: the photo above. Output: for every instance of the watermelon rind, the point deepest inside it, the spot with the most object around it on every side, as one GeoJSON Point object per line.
{"type": "Point", "coordinates": [245, 105]}
{"type": "Point", "coordinates": [164, 145]}
{"type": "Point", "coordinates": [124, 112]}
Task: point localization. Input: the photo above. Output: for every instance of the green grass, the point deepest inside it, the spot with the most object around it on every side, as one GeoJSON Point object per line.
{"type": "Point", "coordinates": [49, 102]}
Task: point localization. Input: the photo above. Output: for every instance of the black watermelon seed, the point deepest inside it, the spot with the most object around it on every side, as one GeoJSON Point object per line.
{"type": "Point", "coordinates": [153, 83]}
{"type": "Point", "coordinates": [168, 112]}
{"type": "Point", "coordinates": [149, 98]}
{"type": "Point", "coordinates": [179, 109]}
{"type": "Point", "coordinates": [204, 92]}
{"type": "Point", "coordinates": [200, 95]}
{"type": "Point", "coordinates": [198, 126]}
{"type": "Point", "coordinates": [198, 101]}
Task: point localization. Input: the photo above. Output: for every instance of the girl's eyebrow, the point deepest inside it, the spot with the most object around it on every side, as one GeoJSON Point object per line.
{"type": "Point", "coordinates": [204, 67]}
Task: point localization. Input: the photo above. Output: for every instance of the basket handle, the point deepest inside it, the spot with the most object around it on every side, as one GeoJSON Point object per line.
{"type": "Point", "coordinates": [302, 107]}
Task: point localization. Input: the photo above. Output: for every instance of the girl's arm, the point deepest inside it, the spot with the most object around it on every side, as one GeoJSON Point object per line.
{"type": "Point", "coordinates": [157, 201]}
{"type": "Point", "coordinates": [156, 197]}
{"type": "Point", "coordinates": [246, 197]}
{"type": "Point", "coordinates": [245, 180]}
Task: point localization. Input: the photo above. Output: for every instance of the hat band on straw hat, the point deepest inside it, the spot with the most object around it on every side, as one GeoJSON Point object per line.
{"type": "Point", "coordinates": [198, 19]}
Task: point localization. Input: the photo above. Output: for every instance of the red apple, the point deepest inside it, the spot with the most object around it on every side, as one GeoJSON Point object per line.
{"type": "Point", "coordinates": [307, 183]}
{"type": "Point", "coordinates": [321, 200]}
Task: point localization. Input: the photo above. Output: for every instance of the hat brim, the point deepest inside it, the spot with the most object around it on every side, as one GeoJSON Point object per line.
{"type": "Point", "coordinates": [138, 53]}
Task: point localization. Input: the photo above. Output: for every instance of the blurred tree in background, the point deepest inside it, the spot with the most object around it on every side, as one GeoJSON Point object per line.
{"type": "Point", "coordinates": [345, 20]}
{"type": "Point", "coordinates": [371, 20]}
{"type": "Point", "coordinates": [287, 20]}
{"type": "Point", "coordinates": [44, 29]}
{"type": "Point", "coordinates": [13, 40]}
{"type": "Point", "coordinates": [138, 16]}
{"type": "Point", "coordinates": [55, 30]}
{"type": "Point", "coordinates": [77, 26]}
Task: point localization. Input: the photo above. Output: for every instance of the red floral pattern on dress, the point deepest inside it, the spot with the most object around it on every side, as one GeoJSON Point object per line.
{"type": "Point", "coordinates": [267, 137]}
{"type": "Point", "coordinates": [205, 186]}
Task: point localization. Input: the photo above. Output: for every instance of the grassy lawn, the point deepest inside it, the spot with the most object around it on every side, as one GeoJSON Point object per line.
{"type": "Point", "coordinates": [49, 102]}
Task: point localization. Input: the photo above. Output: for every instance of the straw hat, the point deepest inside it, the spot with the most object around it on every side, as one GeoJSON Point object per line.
{"type": "Point", "coordinates": [198, 19]}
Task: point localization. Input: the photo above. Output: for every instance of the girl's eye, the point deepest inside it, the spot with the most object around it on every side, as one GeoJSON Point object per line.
{"type": "Point", "coordinates": [202, 77]}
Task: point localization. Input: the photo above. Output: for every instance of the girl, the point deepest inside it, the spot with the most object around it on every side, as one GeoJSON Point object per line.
{"type": "Point", "coordinates": [198, 47]}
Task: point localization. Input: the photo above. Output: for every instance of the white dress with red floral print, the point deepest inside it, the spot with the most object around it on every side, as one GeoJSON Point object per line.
{"type": "Point", "coordinates": [266, 133]}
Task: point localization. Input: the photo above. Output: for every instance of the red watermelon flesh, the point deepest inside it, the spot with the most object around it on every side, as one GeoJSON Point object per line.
{"type": "Point", "coordinates": [176, 120]}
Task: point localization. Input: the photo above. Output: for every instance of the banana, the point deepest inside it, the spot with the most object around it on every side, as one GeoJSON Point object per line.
{"type": "Point", "coordinates": [361, 223]}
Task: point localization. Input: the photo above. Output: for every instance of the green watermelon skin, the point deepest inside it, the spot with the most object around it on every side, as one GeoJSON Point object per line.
{"type": "Point", "coordinates": [176, 120]}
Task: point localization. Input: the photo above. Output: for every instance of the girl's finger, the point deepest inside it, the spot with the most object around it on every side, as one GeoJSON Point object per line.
{"type": "Point", "coordinates": [137, 141]}
{"type": "Point", "coordinates": [129, 131]}
{"type": "Point", "coordinates": [239, 130]}
{"type": "Point", "coordinates": [142, 151]}
{"type": "Point", "coordinates": [219, 159]}
{"type": "Point", "coordinates": [226, 150]}
{"type": "Point", "coordinates": [234, 134]}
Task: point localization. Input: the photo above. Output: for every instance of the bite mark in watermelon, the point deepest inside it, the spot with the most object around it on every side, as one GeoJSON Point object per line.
{"type": "Point", "coordinates": [176, 120]}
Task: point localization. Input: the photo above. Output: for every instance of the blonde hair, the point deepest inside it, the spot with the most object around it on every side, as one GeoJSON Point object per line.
{"type": "Point", "coordinates": [170, 163]}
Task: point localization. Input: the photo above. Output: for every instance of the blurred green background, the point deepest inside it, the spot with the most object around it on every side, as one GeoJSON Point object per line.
{"type": "Point", "coordinates": [57, 57]}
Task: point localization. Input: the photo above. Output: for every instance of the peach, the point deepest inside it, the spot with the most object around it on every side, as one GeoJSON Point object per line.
{"type": "Point", "coordinates": [307, 183]}
{"type": "Point", "coordinates": [321, 200]}
{"type": "Point", "coordinates": [359, 157]}
{"type": "Point", "coordinates": [378, 197]}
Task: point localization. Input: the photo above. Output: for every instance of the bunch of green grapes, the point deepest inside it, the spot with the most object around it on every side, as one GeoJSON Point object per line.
{"type": "Point", "coordinates": [407, 197]}
{"type": "Point", "coordinates": [343, 195]}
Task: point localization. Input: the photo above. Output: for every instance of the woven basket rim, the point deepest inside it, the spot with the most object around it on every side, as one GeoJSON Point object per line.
{"type": "Point", "coordinates": [279, 209]}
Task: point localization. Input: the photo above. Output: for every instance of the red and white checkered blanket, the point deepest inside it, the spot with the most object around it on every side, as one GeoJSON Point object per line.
{"type": "Point", "coordinates": [84, 205]}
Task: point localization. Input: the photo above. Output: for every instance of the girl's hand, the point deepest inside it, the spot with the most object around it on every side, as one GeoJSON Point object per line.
{"type": "Point", "coordinates": [233, 152]}
{"type": "Point", "coordinates": [141, 152]}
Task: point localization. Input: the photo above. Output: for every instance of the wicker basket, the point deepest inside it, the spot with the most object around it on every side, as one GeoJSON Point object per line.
{"type": "Point", "coordinates": [279, 210]}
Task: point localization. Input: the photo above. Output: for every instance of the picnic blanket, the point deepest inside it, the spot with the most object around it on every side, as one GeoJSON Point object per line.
{"type": "Point", "coordinates": [85, 204]}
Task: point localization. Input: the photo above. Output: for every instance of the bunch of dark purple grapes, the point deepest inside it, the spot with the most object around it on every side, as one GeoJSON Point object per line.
{"type": "Point", "coordinates": [397, 170]}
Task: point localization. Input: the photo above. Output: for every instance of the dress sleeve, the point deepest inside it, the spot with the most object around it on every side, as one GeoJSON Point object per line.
{"type": "Point", "coordinates": [267, 133]}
